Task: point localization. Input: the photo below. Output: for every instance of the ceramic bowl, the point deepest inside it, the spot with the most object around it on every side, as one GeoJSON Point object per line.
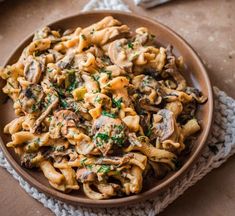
{"type": "Point", "coordinates": [195, 74]}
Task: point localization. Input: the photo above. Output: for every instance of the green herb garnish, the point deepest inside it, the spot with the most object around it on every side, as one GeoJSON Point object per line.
{"type": "Point", "coordinates": [49, 70]}
{"type": "Point", "coordinates": [102, 136]}
{"type": "Point", "coordinates": [117, 103]}
{"type": "Point", "coordinates": [111, 115]}
{"type": "Point", "coordinates": [89, 166]}
{"type": "Point", "coordinates": [63, 103]}
{"type": "Point", "coordinates": [118, 140]}
{"type": "Point", "coordinates": [104, 169]}
{"type": "Point", "coordinates": [130, 45]}
{"type": "Point", "coordinates": [149, 131]}
{"type": "Point", "coordinates": [83, 161]}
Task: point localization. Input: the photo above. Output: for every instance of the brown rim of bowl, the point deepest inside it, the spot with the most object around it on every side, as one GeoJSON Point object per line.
{"type": "Point", "coordinates": [151, 192]}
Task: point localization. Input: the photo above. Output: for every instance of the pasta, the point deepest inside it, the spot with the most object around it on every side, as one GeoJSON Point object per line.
{"type": "Point", "coordinates": [100, 108]}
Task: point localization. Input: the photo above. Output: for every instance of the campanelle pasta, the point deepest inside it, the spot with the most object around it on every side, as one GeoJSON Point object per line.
{"type": "Point", "coordinates": [100, 107]}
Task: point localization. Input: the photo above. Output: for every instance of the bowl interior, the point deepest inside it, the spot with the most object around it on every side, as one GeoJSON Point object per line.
{"type": "Point", "coordinates": [194, 73]}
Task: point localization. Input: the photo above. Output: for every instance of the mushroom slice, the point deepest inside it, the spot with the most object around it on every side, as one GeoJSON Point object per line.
{"type": "Point", "coordinates": [30, 99]}
{"type": "Point", "coordinates": [31, 160]}
{"type": "Point", "coordinates": [66, 61]}
{"type": "Point", "coordinates": [108, 131]}
{"type": "Point", "coordinates": [118, 55]}
{"type": "Point", "coordinates": [196, 94]}
{"type": "Point", "coordinates": [108, 189]}
{"type": "Point", "coordinates": [56, 55]}
{"type": "Point", "coordinates": [53, 103]}
{"type": "Point", "coordinates": [85, 175]}
{"type": "Point", "coordinates": [163, 125]}
{"type": "Point", "coordinates": [144, 104]}
{"type": "Point", "coordinates": [172, 69]}
{"type": "Point", "coordinates": [33, 69]}
{"type": "Point", "coordinates": [158, 155]}
{"type": "Point", "coordinates": [115, 160]}
{"type": "Point", "coordinates": [65, 119]}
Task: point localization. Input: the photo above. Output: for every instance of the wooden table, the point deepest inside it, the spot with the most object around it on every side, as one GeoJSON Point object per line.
{"type": "Point", "coordinates": [208, 25]}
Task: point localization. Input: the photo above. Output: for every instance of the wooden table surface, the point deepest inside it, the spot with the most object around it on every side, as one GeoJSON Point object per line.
{"type": "Point", "coordinates": [208, 25]}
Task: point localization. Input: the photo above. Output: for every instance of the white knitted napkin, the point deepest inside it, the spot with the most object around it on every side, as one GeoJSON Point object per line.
{"type": "Point", "coordinates": [150, 3]}
{"type": "Point", "coordinates": [220, 146]}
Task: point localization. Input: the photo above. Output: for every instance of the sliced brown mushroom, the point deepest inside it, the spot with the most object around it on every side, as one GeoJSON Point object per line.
{"type": "Point", "coordinates": [53, 103]}
{"type": "Point", "coordinates": [145, 104]}
{"type": "Point", "coordinates": [62, 120]}
{"type": "Point", "coordinates": [56, 55]}
{"type": "Point", "coordinates": [115, 160]}
{"type": "Point", "coordinates": [196, 94]}
{"type": "Point", "coordinates": [85, 175]}
{"type": "Point", "coordinates": [31, 160]}
{"type": "Point", "coordinates": [66, 61]}
{"type": "Point", "coordinates": [163, 125]}
{"type": "Point", "coordinates": [30, 99]}
{"type": "Point", "coordinates": [149, 87]}
{"type": "Point", "coordinates": [118, 55]}
{"type": "Point", "coordinates": [108, 132]}
{"type": "Point", "coordinates": [155, 154]}
{"type": "Point", "coordinates": [172, 69]}
{"type": "Point", "coordinates": [33, 69]}
{"type": "Point", "coordinates": [108, 189]}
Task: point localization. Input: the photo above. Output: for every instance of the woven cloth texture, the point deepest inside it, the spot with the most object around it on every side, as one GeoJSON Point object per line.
{"type": "Point", "coordinates": [220, 146]}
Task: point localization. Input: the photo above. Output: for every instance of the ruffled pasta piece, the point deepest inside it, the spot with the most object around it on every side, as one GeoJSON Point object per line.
{"type": "Point", "coordinates": [14, 126]}
{"type": "Point", "coordinates": [54, 177]}
{"type": "Point", "coordinates": [82, 142]}
{"type": "Point", "coordinates": [190, 128]}
{"type": "Point", "coordinates": [154, 154]}
{"type": "Point", "coordinates": [132, 122]}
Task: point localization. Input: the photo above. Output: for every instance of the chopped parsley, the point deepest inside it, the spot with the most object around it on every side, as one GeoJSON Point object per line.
{"type": "Point", "coordinates": [102, 136]}
{"type": "Point", "coordinates": [117, 103]}
{"type": "Point", "coordinates": [83, 161]}
{"type": "Point", "coordinates": [111, 115]}
{"type": "Point", "coordinates": [63, 103]}
{"type": "Point", "coordinates": [130, 44]}
{"type": "Point", "coordinates": [149, 131]}
{"type": "Point", "coordinates": [104, 169]}
{"type": "Point", "coordinates": [118, 140]}
{"type": "Point", "coordinates": [89, 166]}
{"type": "Point", "coordinates": [72, 82]}
{"type": "Point", "coordinates": [49, 70]}
{"type": "Point", "coordinates": [96, 77]}
{"type": "Point", "coordinates": [34, 108]}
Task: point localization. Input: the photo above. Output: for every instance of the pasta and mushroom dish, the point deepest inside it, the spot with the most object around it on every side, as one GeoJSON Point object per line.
{"type": "Point", "coordinates": [100, 108]}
